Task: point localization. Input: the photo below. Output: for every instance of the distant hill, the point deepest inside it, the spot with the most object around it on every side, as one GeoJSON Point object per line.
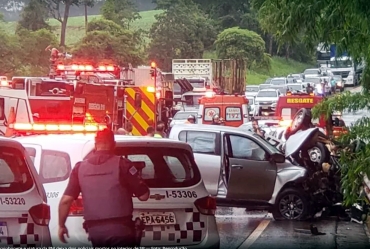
{"type": "Point", "coordinates": [12, 8]}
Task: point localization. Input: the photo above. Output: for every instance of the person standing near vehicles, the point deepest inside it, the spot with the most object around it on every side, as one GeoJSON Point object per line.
{"type": "Point", "coordinates": [256, 128]}
{"type": "Point", "coordinates": [309, 88]}
{"type": "Point", "coordinates": [333, 85]}
{"type": "Point", "coordinates": [150, 132]}
{"type": "Point", "coordinates": [160, 130]}
{"type": "Point", "coordinates": [190, 120]}
{"type": "Point", "coordinates": [216, 120]}
{"type": "Point", "coordinates": [109, 179]}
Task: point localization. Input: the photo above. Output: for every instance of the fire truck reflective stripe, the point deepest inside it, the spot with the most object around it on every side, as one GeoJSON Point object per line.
{"type": "Point", "coordinates": [142, 111]}
{"type": "Point", "coordinates": [143, 117]}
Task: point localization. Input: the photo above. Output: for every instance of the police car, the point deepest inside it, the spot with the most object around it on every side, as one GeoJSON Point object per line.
{"type": "Point", "coordinates": [24, 214]}
{"type": "Point", "coordinates": [179, 211]}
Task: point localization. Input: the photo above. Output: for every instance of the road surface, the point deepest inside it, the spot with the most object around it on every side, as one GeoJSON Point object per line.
{"type": "Point", "coordinates": [239, 229]}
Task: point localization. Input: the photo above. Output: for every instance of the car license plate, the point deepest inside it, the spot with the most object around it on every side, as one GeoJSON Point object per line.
{"type": "Point", "coordinates": [3, 229]}
{"type": "Point", "coordinates": [158, 218]}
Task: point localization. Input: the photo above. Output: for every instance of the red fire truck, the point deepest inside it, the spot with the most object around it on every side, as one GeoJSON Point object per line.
{"type": "Point", "coordinates": [81, 94]}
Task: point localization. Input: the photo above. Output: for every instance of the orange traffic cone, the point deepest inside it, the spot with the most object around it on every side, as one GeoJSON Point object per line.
{"type": "Point", "coordinates": [11, 120]}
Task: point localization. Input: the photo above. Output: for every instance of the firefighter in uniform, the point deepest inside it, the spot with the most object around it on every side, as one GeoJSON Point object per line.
{"type": "Point", "coordinates": [110, 179]}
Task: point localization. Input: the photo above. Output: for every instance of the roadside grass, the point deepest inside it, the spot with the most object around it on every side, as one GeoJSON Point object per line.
{"type": "Point", "coordinates": [76, 25]}
{"type": "Point", "coordinates": [279, 67]}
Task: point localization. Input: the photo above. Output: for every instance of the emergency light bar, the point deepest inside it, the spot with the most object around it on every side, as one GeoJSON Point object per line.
{"type": "Point", "coordinates": [85, 68]}
{"type": "Point", "coordinates": [56, 127]}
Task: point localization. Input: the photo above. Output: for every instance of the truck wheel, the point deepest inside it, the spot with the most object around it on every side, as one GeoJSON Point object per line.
{"type": "Point", "coordinates": [291, 204]}
{"type": "Point", "coordinates": [319, 154]}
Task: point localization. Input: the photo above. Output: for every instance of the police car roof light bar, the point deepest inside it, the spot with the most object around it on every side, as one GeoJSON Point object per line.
{"type": "Point", "coordinates": [85, 68]}
{"type": "Point", "coordinates": [56, 127]}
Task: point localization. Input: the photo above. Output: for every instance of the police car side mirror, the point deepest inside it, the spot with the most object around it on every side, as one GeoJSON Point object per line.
{"type": "Point", "coordinates": [2, 107]}
{"type": "Point", "coordinates": [138, 99]}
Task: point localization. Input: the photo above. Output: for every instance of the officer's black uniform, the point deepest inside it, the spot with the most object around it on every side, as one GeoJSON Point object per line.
{"type": "Point", "coordinates": [107, 186]}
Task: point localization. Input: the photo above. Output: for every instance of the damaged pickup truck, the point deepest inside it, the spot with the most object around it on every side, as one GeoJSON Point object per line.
{"type": "Point", "coordinates": [242, 169]}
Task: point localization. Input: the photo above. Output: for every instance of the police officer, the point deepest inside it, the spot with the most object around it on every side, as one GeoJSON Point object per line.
{"type": "Point", "coordinates": [107, 179]}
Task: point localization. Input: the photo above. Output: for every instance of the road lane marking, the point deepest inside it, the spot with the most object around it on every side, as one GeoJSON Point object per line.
{"type": "Point", "coordinates": [255, 235]}
{"type": "Point", "coordinates": [240, 216]}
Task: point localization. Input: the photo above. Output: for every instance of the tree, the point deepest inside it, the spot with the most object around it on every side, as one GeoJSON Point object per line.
{"type": "Point", "coordinates": [34, 16]}
{"type": "Point", "coordinates": [107, 41]}
{"type": "Point", "coordinates": [122, 12]}
{"type": "Point", "coordinates": [346, 24]}
{"type": "Point", "coordinates": [182, 31]}
{"type": "Point", "coordinates": [9, 49]}
{"type": "Point", "coordinates": [55, 8]}
{"type": "Point", "coordinates": [236, 43]}
{"type": "Point", "coordinates": [32, 44]}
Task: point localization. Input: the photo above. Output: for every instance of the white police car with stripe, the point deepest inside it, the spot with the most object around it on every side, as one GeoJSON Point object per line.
{"type": "Point", "coordinates": [179, 211]}
{"type": "Point", "coordinates": [24, 214]}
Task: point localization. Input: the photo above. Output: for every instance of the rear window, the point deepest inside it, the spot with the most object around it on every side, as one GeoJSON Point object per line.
{"type": "Point", "coordinates": [55, 166]}
{"type": "Point", "coordinates": [278, 82]}
{"type": "Point", "coordinates": [15, 176]}
{"type": "Point", "coordinates": [169, 168]}
{"type": "Point", "coordinates": [210, 112]}
{"type": "Point", "coordinates": [233, 113]}
{"type": "Point", "coordinates": [252, 89]}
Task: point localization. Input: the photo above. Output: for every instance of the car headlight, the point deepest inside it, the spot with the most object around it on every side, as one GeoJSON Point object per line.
{"type": "Point", "coordinates": [349, 78]}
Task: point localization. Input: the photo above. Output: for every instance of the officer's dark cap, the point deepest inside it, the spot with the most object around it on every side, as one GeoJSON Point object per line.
{"type": "Point", "coordinates": [104, 136]}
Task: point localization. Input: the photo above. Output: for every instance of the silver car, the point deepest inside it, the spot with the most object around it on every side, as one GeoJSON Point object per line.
{"type": "Point", "coordinates": [242, 169]}
{"type": "Point", "coordinates": [181, 117]}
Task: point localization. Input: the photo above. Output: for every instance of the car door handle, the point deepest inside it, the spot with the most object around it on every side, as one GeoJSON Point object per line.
{"type": "Point", "coordinates": [237, 166]}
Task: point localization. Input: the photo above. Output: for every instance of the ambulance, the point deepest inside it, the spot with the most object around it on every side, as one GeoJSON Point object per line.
{"type": "Point", "coordinates": [232, 108]}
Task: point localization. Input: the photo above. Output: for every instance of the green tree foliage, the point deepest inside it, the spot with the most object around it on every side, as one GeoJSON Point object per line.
{"type": "Point", "coordinates": [59, 9]}
{"type": "Point", "coordinates": [236, 43]}
{"type": "Point", "coordinates": [34, 16]}
{"type": "Point", "coordinates": [9, 49]}
{"type": "Point", "coordinates": [181, 31]}
{"type": "Point", "coordinates": [346, 24]}
{"type": "Point", "coordinates": [107, 41]}
{"type": "Point", "coordinates": [122, 12]}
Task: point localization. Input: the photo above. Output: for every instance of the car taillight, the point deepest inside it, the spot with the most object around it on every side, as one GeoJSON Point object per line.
{"type": "Point", "coordinates": [40, 214]}
{"type": "Point", "coordinates": [206, 205]}
{"type": "Point", "coordinates": [77, 207]}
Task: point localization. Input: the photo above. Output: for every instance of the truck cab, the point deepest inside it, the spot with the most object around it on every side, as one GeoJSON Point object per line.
{"type": "Point", "coordinates": [232, 108]}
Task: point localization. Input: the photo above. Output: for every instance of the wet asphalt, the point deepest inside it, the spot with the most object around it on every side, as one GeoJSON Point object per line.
{"type": "Point", "coordinates": [241, 229]}
{"type": "Point", "coordinates": [255, 230]}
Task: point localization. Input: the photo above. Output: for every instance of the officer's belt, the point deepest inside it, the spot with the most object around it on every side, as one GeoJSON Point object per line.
{"type": "Point", "coordinates": [127, 220]}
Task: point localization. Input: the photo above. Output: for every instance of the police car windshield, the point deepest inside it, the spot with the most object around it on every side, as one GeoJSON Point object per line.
{"type": "Point", "coordinates": [252, 89]}
{"type": "Point", "coordinates": [183, 115]}
{"type": "Point", "coordinates": [162, 168]}
{"type": "Point", "coordinates": [267, 94]}
{"type": "Point", "coordinates": [15, 176]}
